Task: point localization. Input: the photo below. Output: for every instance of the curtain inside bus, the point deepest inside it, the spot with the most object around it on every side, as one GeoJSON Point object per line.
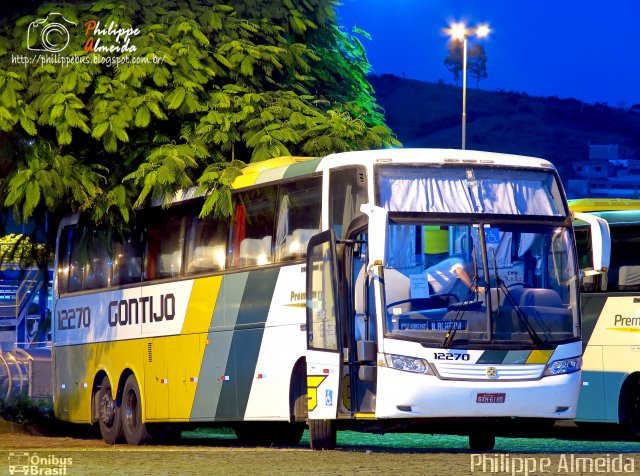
{"type": "Point", "coordinates": [457, 190]}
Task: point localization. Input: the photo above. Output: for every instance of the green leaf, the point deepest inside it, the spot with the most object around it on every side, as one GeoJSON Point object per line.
{"type": "Point", "coordinates": [143, 117]}
{"type": "Point", "coordinates": [246, 67]}
{"type": "Point", "coordinates": [175, 98]}
{"type": "Point", "coordinates": [99, 130]}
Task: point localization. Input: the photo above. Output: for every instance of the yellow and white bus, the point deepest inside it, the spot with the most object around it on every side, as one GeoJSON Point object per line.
{"type": "Point", "coordinates": [322, 300]}
{"type": "Point", "coordinates": [611, 316]}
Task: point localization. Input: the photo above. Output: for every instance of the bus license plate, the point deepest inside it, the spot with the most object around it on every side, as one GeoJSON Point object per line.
{"type": "Point", "coordinates": [491, 397]}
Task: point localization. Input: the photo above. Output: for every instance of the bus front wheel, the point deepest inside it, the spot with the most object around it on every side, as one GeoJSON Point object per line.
{"type": "Point", "coordinates": [322, 434]}
{"type": "Point", "coordinates": [482, 441]}
{"type": "Point", "coordinates": [135, 431]}
{"type": "Point", "coordinates": [109, 414]}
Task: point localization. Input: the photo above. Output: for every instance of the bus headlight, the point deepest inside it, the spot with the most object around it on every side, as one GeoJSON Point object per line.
{"type": "Point", "coordinates": [564, 366]}
{"type": "Point", "coordinates": [408, 364]}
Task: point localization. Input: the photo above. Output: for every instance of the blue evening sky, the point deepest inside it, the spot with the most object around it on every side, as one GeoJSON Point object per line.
{"type": "Point", "coordinates": [585, 49]}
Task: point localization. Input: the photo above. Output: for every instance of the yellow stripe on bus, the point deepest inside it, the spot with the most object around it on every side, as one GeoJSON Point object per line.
{"type": "Point", "coordinates": [624, 329]}
{"type": "Point", "coordinates": [252, 171]}
{"type": "Point", "coordinates": [201, 304]}
{"type": "Point", "coordinates": [313, 382]}
{"type": "Point", "coordinates": [603, 204]}
{"type": "Point", "coordinates": [539, 357]}
{"type": "Point", "coordinates": [365, 416]}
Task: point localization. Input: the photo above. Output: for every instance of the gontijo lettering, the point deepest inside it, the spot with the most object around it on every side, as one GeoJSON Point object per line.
{"type": "Point", "coordinates": [133, 311]}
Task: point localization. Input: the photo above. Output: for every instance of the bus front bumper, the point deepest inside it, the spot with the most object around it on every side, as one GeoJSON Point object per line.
{"type": "Point", "coordinates": [410, 395]}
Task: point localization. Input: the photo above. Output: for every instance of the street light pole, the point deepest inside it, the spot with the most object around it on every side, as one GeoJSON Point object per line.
{"type": "Point", "coordinates": [464, 92]}
{"type": "Point", "coordinates": [460, 32]}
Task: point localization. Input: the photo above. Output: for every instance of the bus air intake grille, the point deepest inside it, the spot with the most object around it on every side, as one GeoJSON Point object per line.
{"type": "Point", "coordinates": [449, 371]}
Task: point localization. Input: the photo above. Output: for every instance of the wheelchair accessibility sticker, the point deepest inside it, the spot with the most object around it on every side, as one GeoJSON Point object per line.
{"type": "Point", "coordinates": [328, 398]}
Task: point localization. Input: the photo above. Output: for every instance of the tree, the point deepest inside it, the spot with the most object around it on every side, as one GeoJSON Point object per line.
{"type": "Point", "coordinates": [453, 61]}
{"type": "Point", "coordinates": [211, 85]}
{"type": "Point", "coordinates": [477, 64]}
{"type": "Point", "coordinates": [476, 61]}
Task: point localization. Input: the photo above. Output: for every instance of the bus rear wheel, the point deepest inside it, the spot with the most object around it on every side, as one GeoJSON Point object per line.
{"type": "Point", "coordinates": [134, 430]}
{"type": "Point", "coordinates": [322, 434]}
{"type": "Point", "coordinates": [632, 417]}
{"type": "Point", "coordinates": [109, 414]}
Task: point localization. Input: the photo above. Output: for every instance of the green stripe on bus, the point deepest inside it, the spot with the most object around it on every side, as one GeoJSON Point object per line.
{"type": "Point", "coordinates": [302, 168]}
{"type": "Point", "coordinates": [255, 308]}
{"type": "Point", "coordinates": [492, 357]}
{"type": "Point", "coordinates": [208, 401]}
{"type": "Point", "coordinates": [516, 357]}
{"type": "Point", "coordinates": [252, 313]}
{"type": "Point", "coordinates": [592, 305]}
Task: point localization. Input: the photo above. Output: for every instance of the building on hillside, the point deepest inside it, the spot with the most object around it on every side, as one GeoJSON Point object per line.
{"type": "Point", "coordinates": [611, 171]}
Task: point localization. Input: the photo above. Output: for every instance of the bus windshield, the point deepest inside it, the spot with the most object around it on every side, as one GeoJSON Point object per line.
{"type": "Point", "coordinates": [422, 188]}
{"type": "Point", "coordinates": [480, 283]}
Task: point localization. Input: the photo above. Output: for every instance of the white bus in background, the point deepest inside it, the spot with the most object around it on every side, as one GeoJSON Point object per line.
{"type": "Point", "coordinates": [611, 316]}
{"type": "Point", "coordinates": [317, 302]}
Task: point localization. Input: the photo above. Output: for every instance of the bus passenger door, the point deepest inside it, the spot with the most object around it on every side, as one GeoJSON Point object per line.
{"type": "Point", "coordinates": [362, 331]}
{"type": "Point", "coordinates": [324, 328]}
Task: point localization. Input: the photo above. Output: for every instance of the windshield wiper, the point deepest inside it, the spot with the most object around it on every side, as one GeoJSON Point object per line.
{"type": "Point", "coordinates": [500, 285]}
{"type": "Point", "coordinates": [448, 338]}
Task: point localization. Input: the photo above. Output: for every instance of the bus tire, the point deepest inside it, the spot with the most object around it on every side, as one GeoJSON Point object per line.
{"type": "Point", "coordinates": [109, 414]}
{"type": "Point", "coordinates": [322, 434]}
{"type": "Point", "coordinates": [135, 431]}
{"type": "Point", "coordinates": [287, 434]}
{"type": "Point", "coordinates": [298, 398]}
{"type": "Point", "coordinates": [632, 409]}
{"type": "Point", "coordinates": [482, 441]}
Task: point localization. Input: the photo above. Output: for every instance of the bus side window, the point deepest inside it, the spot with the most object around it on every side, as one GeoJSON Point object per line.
{"type": "Point", "coordinates": [97, 267]}
{"type": "Point", "coordinates": [127, 260]}
{"type": "Point", "coordinates": [347, 191]}
{"type": "Point", "coordinates": [64, 253]}
{"type": "Point", "coordinates": [76, 267]}
{"type": "Point", "coordinates": [164, 242]}
{"type": "Point", "coordinates": [207, 246]}
{"type": "Point", "coordinates": [298, 217]}
{"type": "Point", "coordinates": [250, 241]}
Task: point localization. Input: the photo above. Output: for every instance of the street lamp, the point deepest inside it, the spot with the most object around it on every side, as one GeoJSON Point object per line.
{"type": "Point", "coordinates": [460, 32]}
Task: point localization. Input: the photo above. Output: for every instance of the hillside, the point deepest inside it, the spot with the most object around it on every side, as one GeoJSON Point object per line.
{"type": "Point", "coordinates": [429, 115]}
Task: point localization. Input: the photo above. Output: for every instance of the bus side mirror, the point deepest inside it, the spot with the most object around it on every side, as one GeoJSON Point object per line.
{"type": "Point", "coordinates": [366, 351]}
{"type": "Point", "coordinates": [367, 373]}
{"type": "Point", "coordinates": [378, 229]}
{"type": "Point", "coordinates": [367, 354]}
{"type": "Point", "coordinates": [600, 240]}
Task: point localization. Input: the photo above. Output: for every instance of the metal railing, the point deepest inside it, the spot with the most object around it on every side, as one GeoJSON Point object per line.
{"type": "Point", "coordinates": [15, 297]}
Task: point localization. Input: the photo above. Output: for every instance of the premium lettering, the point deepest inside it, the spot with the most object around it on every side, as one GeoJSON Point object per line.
{"type": "Point", "coordinates": [626, 321]}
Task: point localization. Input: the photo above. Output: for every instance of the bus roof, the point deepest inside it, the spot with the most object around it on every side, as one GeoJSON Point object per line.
{"type": "Point", "coordinates": [614, 217]}
{"type": "Point", "coordinates": [281, 168]}
{"type": "Point", "coordinates": [290, 166]}
{"type": "Point", "coordinates": [603, 204]}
